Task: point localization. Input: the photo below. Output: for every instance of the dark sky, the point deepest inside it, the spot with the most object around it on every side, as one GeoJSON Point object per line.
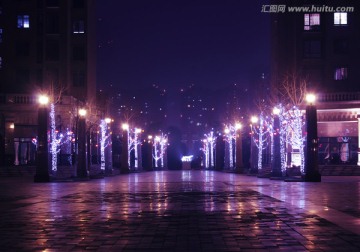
{"type": "Point", "coordinates": [177, 43]}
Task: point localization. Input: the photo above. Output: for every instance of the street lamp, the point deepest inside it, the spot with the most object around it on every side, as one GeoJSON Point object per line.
{"type": "Point", "coordinates": [42, 169]}
{"type": "Point", "coordinates": [276, 153]}
{"type": "Point", "coordinates": [82, 169]}
{"type": "Point", "coordinates": [311, 162]}
{"type": "Point", "coordinates": [125, 157]}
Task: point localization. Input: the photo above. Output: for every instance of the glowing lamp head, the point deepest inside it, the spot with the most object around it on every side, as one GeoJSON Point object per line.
{"type": "Point", "coordinates": [238, 126]}
{"type": "Point", "coordinates": [276, 111]}
{"type": "Point", "coordinates": [107, 120]}
{"type": "Point", "coordinates": [82, 112]}
{"type": "Point", "coordinates": [254, 119]}
{"type": "Point", "coordinates": [137, 130]}
{"type": "Point", "coordinates": [43, 99]}
{"type": "Point", "coordinates": [150, 137]}
{"type": "Point", "coordinates": [125, 126]}
{"type": "Point", "coordinates": [310, 98]}
{"type": "Point", "coordinates": [227, 131]}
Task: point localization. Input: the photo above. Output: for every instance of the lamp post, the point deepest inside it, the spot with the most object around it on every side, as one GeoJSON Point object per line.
{"type": "Point", "coordinates": [358, 151]}
{"type": "Point", "coordinates": [42, 159]}
{"type": "Point", "coordinates": [311, 162]}
{"type": "Point", "coordinates": [124, 150]}
{"type": "Point", "coordinates": [238, 149]}
{"type": "Point", "coordinates": [276, 156]}
{"type": "Point", "coordinates": [81, 167]}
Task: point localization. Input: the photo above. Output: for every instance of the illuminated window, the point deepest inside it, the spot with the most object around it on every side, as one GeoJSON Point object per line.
{"type": "Point", "coordinates": [311, 21]}
{"type": "Point", "coordinates": [340, 18]}
{"type": "Point", "coordinates": [341, 73]}
{"type": "Point", "coordinates": [78, 26]}
{"type": "Point", "coordinates": [23, 21]}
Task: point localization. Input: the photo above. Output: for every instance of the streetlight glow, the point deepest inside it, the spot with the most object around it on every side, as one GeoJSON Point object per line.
{"type": "Point", "coordinates": [254, 119]}
{"type": "Point", "coordinates": [238, 126]}
{"type": "Point", "coordinates": [310, 98]}
{"type": "Point", "coordinates": [43, 99]}
{"type": "Point", "coordinates": [108, 120]}
{"type": "Point", "coordinates": [82, 112]}
{"type": "Point", "coordinates": [125, 126]}
{"type": "Point", "coordinates": [276, 111]}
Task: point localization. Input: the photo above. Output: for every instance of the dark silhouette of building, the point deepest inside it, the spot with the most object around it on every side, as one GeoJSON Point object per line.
{"type": "Point", "coordinates": [46, 46]}
{"type": "Point", "coordinates": [318, 45]}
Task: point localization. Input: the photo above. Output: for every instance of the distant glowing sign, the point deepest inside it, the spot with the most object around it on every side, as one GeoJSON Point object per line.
{"type": "Point", "coordinates": [187, 158]}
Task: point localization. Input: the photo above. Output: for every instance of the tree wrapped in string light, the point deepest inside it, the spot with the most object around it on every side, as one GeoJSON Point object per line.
{"type": "Point", "coordinates": [209, 149]}
{"type": "Point", "coordinates": [57, 139]}
{"type": "Point", "coordinates": [260, 132]}
{"type": "Point", "coordinates": [104, 141]}
{"type": "Point", "coordinates": [230, 138]}
{"type": "Point", "coordinates": [292, 133]}
{"type": "Point", "coordinates": [133, 143]}
{"type": "Point", "coordinates": [159, 149]}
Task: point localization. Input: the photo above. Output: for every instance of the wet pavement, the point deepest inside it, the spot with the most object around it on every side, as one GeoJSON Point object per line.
{"type": "Point", "coordinates": [180, 211]}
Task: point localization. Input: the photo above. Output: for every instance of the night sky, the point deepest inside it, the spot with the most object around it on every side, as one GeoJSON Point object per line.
{"type": "Point", "coordinates": [177, 43]}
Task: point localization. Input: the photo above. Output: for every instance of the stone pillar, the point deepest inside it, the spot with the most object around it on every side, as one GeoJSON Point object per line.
{"type": "Point", "coordinates": [124, 153]}
{"type": "Point", "coordinates": [82, 164]}
{"type": "Point", "coordinates": [42, 158]}
{"type": "Point", "coordinates": [16, 146]}
{"type": "Point", "coordinates": [358, 117]}
{"type": "Point", "coordinates": [311, 159]}
{"type": "Point", "coordinates": [239, 154]}
{"type": "Point", "coordinates": [276, 162]}
{"type": "Point", "coordinates": [219, 153]}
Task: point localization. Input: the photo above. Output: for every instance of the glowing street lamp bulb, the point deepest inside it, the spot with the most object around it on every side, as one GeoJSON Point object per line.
{"type": "Point", "coordinates": [310, 98]}
{"type": "Point", "coordinates": [276, 111]}
{"type": "Point", "coordinates": [82, 112]}
{"type": "Point", "coordinates": [137, 131]}
{"type": "Point", "coordinates": [227, 131]}
{"type": "Point", "coordinates": [254, 119]}
{"type": "Point", "coordinates": [150, 137]}
{"type": "Point", "coordinates": [238, 126]}
{"type": "Point", "coordinates": [125, 126]}
{"type": "Point", "coordinates": [43, 99]}
{"type": "Point", "coordinates": [108, 120]}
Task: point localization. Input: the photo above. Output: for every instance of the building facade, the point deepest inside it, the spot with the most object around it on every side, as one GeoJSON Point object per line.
{"type": "Point", "coordinates": [48, 47]}
{"type": "Point", "coordinates": [319, 44]}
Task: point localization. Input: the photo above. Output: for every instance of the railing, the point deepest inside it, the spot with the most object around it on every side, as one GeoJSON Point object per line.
{"type": "Point", "coordinates": [336, 97]}
{"type": "Point", "coordinates": [29, 99]}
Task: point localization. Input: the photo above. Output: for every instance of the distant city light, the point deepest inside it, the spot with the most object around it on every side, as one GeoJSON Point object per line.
{"type": "Point", "coordinates": [187, 158]}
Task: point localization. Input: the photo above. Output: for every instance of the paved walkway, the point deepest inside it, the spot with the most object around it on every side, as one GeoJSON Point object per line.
{"type": "Point", "coordinates": [180, 211]}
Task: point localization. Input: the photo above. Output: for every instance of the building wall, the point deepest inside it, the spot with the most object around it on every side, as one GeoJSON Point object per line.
{"type": "Point", "coordinates": [315, 54]}
{"type": "Point", "coordinates": [48, 44]}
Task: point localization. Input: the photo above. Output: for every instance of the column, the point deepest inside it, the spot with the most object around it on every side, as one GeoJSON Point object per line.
{"type": "Point", "coordinates": [42, 158]}
{"type": "Point", "coordinates": [82, 167]}
{"type": "Point", "coordinates": [311, 159]}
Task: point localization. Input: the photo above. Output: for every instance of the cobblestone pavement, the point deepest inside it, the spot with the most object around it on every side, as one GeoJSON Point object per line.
{"type": "Point", "coordinates": [180, 211]}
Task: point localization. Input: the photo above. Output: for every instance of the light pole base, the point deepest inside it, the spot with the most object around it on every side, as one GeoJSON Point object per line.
{"type": "Point", "coordinates": [312, 177]}
{"type": "Point", "coordinates": [41, 178]}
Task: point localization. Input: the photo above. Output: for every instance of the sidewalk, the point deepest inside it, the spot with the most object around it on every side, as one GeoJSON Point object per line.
{"type": "Point", "coordinates": [180, 211]}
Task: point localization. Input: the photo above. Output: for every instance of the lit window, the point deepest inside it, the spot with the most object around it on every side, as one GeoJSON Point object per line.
{"type": "Point", "coordinates": [340, 18]}
{"type": "Point", "coordinates": [341, 73]}
{"type": "Point", "coordinates": [311, 21]}
{"type": "Point", "coordinates": [78, 26]}
{"type": "Point", "coordinates": [23, 21]}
